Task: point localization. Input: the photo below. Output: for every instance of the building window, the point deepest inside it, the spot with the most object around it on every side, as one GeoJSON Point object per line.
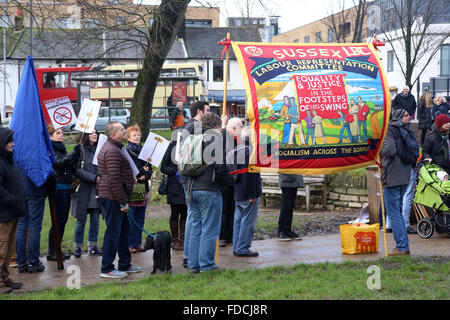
{"type": "Point", "coordinates": [150, 21]}
{"type": "Point", "coordinates": [198, 23]}
{"type": "Point", "coordinates": [91, 23]}
{"type": "Point", "coordinates": [306, 39]}
{"type": "Point", "coordinates": [120, 21]}
{"type": "Point", "coordinates": [330, 35]}
{"type": "Point", "coordinates": [217, 70]}
{"type": "Point", "coordinates": [445, 60]}
{"type": "Point", "coordinates": [390, 61]}
{"type": "Point", "coordinates": [318, 37]}
{"type": "Point", "coordinates": [344, 29]}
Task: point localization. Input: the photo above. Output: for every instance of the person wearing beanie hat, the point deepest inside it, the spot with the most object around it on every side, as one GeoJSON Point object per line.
{"type": "Point", "coordinates": [441, 119]}
{"type": "Point", "coordinates": [12, 207]}
{"type": "Point", "coordinates": [398, 158]}
{"type": "Point", "coordinates": [436, 146]}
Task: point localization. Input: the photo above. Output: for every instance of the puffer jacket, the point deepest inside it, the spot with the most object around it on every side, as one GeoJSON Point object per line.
{"type": "Point", "coordinates": [116, 175]}
{"type": "Point", "coordinates": [12, 190]}
{"type": "Point", "coordinates": [64, 164]}
{"type": "Point", "coordinates": [436, 148]}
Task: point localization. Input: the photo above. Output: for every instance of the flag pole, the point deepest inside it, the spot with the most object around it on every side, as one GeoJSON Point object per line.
{"type": "Point", "coordinates": [51, 187]}
{"type": "Point", "coordinates": [383, 213]}
{"type": "Point", "coordinates": [226, 50]}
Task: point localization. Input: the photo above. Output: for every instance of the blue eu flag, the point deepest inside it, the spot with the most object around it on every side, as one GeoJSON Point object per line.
{"type": "Point", "coordinates": [33, 151]}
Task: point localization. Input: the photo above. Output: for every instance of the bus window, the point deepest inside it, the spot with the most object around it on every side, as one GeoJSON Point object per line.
{"type": "Point", "coordinates": [131, 73]}
{"type": "Point", "coordinates": [56, 79]}
{"type": "Point", "coordinates": [168, 73]}
{"type": "Point", "coordinates": [186, 72]}
{"type": "Point", "coordinates": [116, 104]}
{"type": "Point", "coordinates": [117, 74]}
{"type": "Point", "coordinates": [81, 74]}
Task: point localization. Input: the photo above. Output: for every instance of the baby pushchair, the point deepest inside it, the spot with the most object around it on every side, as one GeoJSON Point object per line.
{"type": "Point", "coordinates": [431, 201]}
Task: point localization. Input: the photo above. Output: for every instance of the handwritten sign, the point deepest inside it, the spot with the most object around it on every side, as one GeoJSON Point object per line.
{"type": "Point", "coordinates": [153, 150]}
{"type": "Point", "coordinates": [60, 111]}
{"type": "Point", "coordinates": [87, 116]}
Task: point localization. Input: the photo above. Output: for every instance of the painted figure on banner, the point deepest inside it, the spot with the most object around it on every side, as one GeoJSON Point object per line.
{"type": "Point", "coordinates": [286, 119]}
{"type": "Point", "coordinates": [354, 126]}
{"type": "Point", "coordinates": [363, 111]}
{"type": "Point", "coordinates": [345, 122]}
{"type": "Point", "coordinates": [318, 127]}
{"type": "Point", "coordinates": [309, 128]}
{"type": "Point", "coordinates": [294, 118]}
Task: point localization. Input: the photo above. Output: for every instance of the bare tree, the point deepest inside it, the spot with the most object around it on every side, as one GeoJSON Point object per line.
{"type": "Point", "coordinates": [411, 28]}
{"type": "Point", "coordinates": [105, 30]}
{"type": "Point", "coordinates": [347, 25]}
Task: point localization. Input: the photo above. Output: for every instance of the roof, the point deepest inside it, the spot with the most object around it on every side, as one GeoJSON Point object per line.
{"type": "Point", "coordinates": [92, 44]}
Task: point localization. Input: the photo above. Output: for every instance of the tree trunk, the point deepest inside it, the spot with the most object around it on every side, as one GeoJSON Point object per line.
{"type": "Point", "coordinates": [167, 21]}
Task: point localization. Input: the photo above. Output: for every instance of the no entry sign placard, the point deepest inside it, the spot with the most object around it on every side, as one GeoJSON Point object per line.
{"type": "Point", "coordinates": [61, 112]}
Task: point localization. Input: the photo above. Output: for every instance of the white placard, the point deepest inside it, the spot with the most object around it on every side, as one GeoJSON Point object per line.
{"type": "Point", "coordinates": [101, 141]}
{"type": "Point", "coordinates": [60, 111]}
{"type": "Point", "coordinates": [132, 165]}
{"type": "Point", "coordinates": [178, 146]}
{"type": "Point", "coordinates": [153, 150]}
{"type": "Point", "coordinates": [88, 115]}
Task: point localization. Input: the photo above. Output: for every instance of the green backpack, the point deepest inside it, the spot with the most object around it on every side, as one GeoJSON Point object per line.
{"type": "Point", "coordinates": [191, 163]}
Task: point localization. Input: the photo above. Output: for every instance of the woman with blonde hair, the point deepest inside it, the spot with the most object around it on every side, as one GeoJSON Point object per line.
{"type": "Point", "coordinates": [424, 114]}
{"type": "Point", "coordinates": [137, 208]}
{"type": "Point", "coordinates": [440, 106]}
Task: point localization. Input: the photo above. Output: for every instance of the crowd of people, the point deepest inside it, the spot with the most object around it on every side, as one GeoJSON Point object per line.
{"type": "Point", "coordinates": [220, 202]}
{"type": "Point", "coordinates": [400, 154]}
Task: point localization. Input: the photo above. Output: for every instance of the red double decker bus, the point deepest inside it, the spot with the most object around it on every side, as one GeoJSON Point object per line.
{"type": "Point", "coordinates": [56, 83]}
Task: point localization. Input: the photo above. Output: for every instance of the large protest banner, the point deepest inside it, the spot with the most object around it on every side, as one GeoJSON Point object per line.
{"type": "Point", "coordinates": [314, 108]}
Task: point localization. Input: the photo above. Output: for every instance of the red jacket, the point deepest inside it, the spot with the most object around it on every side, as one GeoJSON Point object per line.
{"type": "Point", "coordinates": [364, 108]}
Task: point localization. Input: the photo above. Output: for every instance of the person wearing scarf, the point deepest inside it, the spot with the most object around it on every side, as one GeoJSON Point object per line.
{"type": "Point", "coordinates": [137, 208]}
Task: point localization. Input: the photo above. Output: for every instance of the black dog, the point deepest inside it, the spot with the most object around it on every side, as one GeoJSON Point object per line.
{"type": "Point", "coordinates": [161, 250]}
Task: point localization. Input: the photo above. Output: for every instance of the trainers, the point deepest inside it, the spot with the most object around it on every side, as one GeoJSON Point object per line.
{"type": "Point", "coordinates": [294, 236]}
{"type": "Point", "coordinates": [247, 254]}
{"type": "Point", "coordinates": [94, 251]}
{"type": "Point", "coordinates": [133, 269]}
{"type": "Point", "coordinates": [411, 230]}
{"type": "Point", "coordinates": [22, 268]}
{"type": "Point", "coordinates": [284, 237]}
{"type": "Point", "coordinates": [32, 268]}
{"type": "Point", "coordinates": [114, 274]}
{"type": "Point", "coordinates": [77, 253]}
{"type": "Point", "coordinates": [222, 243]}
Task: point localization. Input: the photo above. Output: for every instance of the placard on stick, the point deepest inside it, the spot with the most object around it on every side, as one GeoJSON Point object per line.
{"type": "Point", "coordinates": [153, 150]}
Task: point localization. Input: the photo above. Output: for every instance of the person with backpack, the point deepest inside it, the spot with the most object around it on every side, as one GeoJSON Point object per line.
{"type": "Point", "coordinates": [203, 172]}
{"type": "Point", "coordinates": [398, 156]}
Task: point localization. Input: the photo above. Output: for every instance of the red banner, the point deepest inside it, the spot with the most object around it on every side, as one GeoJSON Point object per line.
{"type": "Point", "coordinates": [179, 92]}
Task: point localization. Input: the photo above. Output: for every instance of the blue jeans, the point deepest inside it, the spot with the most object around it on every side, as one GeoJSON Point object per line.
{"type": "Point", "coordinates": [63, 198]}
{"type": "Point", "coordinates": [286, 130]}
{"type": "Point", "coordinates": [116, 237]}
{"type": "Point", "coordinates": [93, 229]}
{"type": "Point", "coordinates": [345, 127]}
{"type": "Point", "coordinates": [188, 226]}
{"type": "Point", "coordinates": [393, 200]}
{"type": "Point", "coordinates": [245, 218]}
{"type": "Point", "coordinates": [309, 132]}
{"type": "Point", "coordinates": [135, 237]}
{"type": "Point", "coordinates": [32, 221]}
{"type": "Point", "coordinates": [407, 200]}
{"type": "Point", "coordinates": [206, 215]}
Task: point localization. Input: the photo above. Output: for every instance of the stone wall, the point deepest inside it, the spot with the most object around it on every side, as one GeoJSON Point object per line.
{"type": "Point", "coordinates": [347, 191]}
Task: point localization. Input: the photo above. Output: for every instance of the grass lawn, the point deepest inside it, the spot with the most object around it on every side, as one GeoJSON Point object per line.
{"type": "Point", "coordinates": [401, 278]}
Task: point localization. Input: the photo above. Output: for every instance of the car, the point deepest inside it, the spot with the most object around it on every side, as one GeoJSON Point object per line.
{"type": "Point", "coordinates": [160, 118]}
{"type": "Point", "coordinates": [5, 122]}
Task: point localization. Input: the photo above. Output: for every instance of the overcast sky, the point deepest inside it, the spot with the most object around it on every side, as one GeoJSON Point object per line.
{"type": "Point", "coordinates": [293, 13]}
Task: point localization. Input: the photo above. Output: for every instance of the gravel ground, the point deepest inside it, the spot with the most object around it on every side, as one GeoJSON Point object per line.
{"type": "Point", "coordinates": [316, 223]}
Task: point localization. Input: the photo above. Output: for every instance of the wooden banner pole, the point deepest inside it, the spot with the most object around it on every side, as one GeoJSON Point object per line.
{"type": "Point", "coordinates": [383, 213]}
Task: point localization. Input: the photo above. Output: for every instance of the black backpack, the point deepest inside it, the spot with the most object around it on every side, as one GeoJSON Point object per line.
{"type": "Point", "coordinates": [404, 154]}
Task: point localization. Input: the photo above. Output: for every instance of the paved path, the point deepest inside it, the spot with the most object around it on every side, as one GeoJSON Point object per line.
{"type": "Point", "coordinates": [272, 252]}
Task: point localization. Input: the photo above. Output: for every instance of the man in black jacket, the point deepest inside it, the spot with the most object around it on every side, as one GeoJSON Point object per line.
{"type": "Point", "coordinates": [405, 100]}
{"type": "Point", "coordinates": [12, 206]}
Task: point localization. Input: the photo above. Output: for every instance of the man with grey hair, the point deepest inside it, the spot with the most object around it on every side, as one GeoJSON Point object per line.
{"type": "Point", "coordinates": [232, 139]}
{"type": "Point", "coordinates": [177, 117]}
{"type": "Point", "coordinates": [114, 190]}
{"type": "Point", "coordinates": [247, 191]}
{"type": "Point", "coordinates": [405, 100]}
